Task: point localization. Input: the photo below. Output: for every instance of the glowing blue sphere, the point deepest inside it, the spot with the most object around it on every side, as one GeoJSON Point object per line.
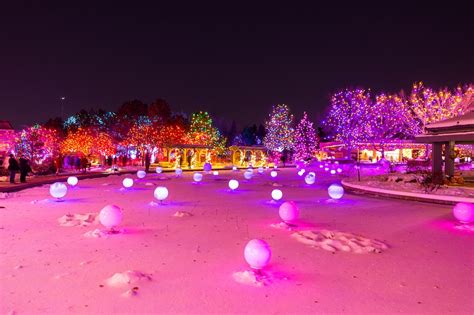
{"type": "Point", "coordinates": [248, 175]}
{"type": "Point", "coordinates": [197, 177]}
{"type": "Point", "coordinates": [257, 253]}
{"type": "Point", "coordinates": [111, 216]}
{"type": "Point", "coordinates": [310, 178]}
{"type": "Point", "coordinates": [277, 194]}
{"type": "Point", "coordinates": [207, 167]}
{"type": "Point", "coordinates": [141, 174]}
{"type": "Point", "coordinates": [233, 184]}
{"type": "Point", "coordinates": [161, 193]}
{"type": "Point", "coordinates": [336, 191]}
{"type": "Point", "coordinates": [178, 172]}
{"type": "Point", "coordinates": [72, 181]}
{"type": "Point", "coordinates": [58, 190]}
{"type": "Point", "coordinates": [127, 182]}
{"type": "Point", "coordinates": [159, 170]}
{"type": "Point", "coordinates": [260, 170]}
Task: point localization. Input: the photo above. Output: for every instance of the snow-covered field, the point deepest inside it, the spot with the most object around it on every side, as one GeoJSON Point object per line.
{"type": "Point", "coordinates": [357, 255]}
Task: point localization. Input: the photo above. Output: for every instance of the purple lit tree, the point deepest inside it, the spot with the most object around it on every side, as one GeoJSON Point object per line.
{"type": "Point", "coordinates": [305, 140]}
{"type": "Point", "coordinates": [349, 115]}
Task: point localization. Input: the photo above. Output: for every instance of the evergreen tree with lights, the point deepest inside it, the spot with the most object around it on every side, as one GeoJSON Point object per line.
{"type": "Point", "coordinates": [202, 132]}
{"type": "Point", "coordinates": [279, 130]}
{"type": "Point", "coordinates": [305, 140]}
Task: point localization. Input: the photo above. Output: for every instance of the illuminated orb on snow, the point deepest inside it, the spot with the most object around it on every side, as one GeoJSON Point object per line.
{"type": "Point", "coordinates": [159, 170]}
{"type": "Point", "coordinates": [248, 174]}
{"type": "Point", "coordinates": [111, 216]}
{"type": "Point", "coordinates": [333, 172]}
{"type": "Point", "coordinates": [336, 191]}
{"type": "Point", "coordinates": [234, 168]}
{"type": "Point", "coordinates": [72, 181]}
{"type": "Point", "coordinates": [321, 166]}
{"type": "Point", "coordinates": [464, 212]}
{"type": "Point", "coordinates": [141, 174]}
{"type": "Point", "coordinates": [260, 170]}
{"type": "Point", "coordinates": [339, 170]}
{"type": "Point", "coordinates": [289, 211]}
{"type": "Point", "coordinates": [178, 172]}
{"type": "Point", "coordinates": [326, 169]}
{"type": "Point", "coordinates": [257, 253]}
{"type": "Point", "coordinates": [58, 190]}
{"type": "Point", "coordinates": [215, 173]}
{"type": "Point", "coordinates": [207, 167]}
{"type": "Point", "coordinates": [161, 193]}
{"type": "Point", "coordinates": [277, 194]}
{"type": "Point", "coordinates": [273, 174]}
{"type": "Point", "coordinates": [233, 184]}
{"type": "Point", "coordinates": [310, 178]}
{"type": "Point", "coordinates": [197, 177]}
{"type": "Point", "coordinates": [301, 172]}
{"type": "Point", "coordinates": [127, 182]}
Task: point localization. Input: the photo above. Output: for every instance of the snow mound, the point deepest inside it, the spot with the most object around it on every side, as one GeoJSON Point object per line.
{"type": "Point", "coordinates": [96, 234]}
{"type": "Point", "coordinates": [335, 241]}
{"type": "Point", "coordinates": [182, 214]}
{"type": "Point", "coordinates": [6, 195]}
{"type": "Point", "coordinates": [120, 279]}
{"type": "Point", "coordinates": [257, 278]}
{"type": "Point", "coordinates": [149, 184]}
{"type": "Point", "coordinates": [78, 219]}
{"type": "Point", "coordinates": [464, 227]}
{"type": "Point", "coordinates": [282, 226]}
{"type": "Point", "coordinates": [39, 201]}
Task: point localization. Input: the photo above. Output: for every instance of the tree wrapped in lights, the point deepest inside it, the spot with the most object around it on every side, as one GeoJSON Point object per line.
{"type": "Point", "coordinates": [88, 141]}
{"type": "Point", "coordinates": [429, 106]}
{"type": "Point", "coordinates": [202, 132]}
{"type": "Point", "coordinates": [305, 140]}
{"type": "Point", "coordinates": [348, 116]}
{"type": "Point", "coordinates": [279, 129]}
{"type": "Point", "coordinates": [144, 137]}
{"type": "Point", "coordinates": [38, 144]}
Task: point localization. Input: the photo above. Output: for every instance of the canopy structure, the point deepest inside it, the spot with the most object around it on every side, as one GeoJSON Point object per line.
{"type": "Point", "coordinates": [457, 130]}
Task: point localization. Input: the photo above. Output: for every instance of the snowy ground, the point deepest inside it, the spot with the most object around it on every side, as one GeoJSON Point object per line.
{"type": "Point", "coordinates": [358, 255]}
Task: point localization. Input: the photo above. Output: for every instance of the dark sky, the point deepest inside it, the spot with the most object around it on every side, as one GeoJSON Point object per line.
{"type": "Point", "coordinates": [231, 59]}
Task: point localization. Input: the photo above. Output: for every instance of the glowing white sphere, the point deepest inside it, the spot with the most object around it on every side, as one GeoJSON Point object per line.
{"type": "Point", "coordinates": [339, 170]}
{"type": "Point", "coordinates": [197, 177]}
{"type": "Point", "coordinates": [275, 166]}
{"type": "Point", "coordinates": [234, 168]}
{"type": "Point", "coordinates": [333, 172]}
{"type": "Point", "coordinates": [257, 253]}
{"type": "Point", "coordinates": [161, 193]}
{"type": "Point", "coordinates": [141, 174]}
{"type": "Point", "coordinates": [289, 211]}
{"type": "Point", "coordinates": [178, 172]}
{"type": "Point", "coordinates": [336, 191]}
{"type": "Point", "coordinates": [260, 170]}
{"type": "Point", "coordinates": [457, 160]}
{"type": "Point", "coordinates": [127, 182]}
{"type": "Point", "coordinates": [248, 175]}
{"type": "Point", "coordinates": [326, 169]}
{"type": "Point", "coordinates": [72, 181]}
{"type": "Point", "coordinates": [321, 166]}
{"type": "Point", "coordinates": [111, 216]}
{"type": "Point", "coordinates": [464, 212]}
{"type": "Point", "coordinates": [207, 167]}
{"type": "Point", "coordinates": [159, 170]}
{"type": "Point", "coordinates": [233, 184]}
{"type": "Point", "coordinates": [337, 162]}
{"type": "Point", "coordinates": [277, 194]}
{"type": "Point", "coordinates": [215, 173]}
{"type": "Point", "coordinates": [273, 174]}
{"type": "Point", "coordinates": [58, 190]}
{"type": "Point", "coordinates": [301, 172]}
{"type": "Point", "coordinates": [310, 178]}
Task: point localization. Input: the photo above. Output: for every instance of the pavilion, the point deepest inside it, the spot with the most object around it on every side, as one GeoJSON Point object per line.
{"type": "Point", "coordinates": [458, 130]}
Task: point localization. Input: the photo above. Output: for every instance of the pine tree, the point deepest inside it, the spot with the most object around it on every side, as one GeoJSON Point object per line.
{"type": "Point", "coordinates": [279, 130]}
{"type": "Point", "coordinates": [306, 141]}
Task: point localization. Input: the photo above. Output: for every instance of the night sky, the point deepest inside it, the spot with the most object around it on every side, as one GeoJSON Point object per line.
{"type": "Point", "coordinates": [231, 59]}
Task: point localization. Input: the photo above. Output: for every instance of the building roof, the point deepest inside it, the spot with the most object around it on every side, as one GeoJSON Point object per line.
{"type": "Point", "coordinates": [5, 124]}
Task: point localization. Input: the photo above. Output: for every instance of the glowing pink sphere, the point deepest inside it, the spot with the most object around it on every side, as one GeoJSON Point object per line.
{"type": "Point", "coordinates": [289, 211]}
{"type": "Point", "coordinates": [464, 212]}
{"type": "Point", "coordinates": [333, 172]}
{"type": "Point", "coordinates": [161, 193]}
{"type": "Point", "coordinates": [257, 253]}
{"type": "Point", "coordinates": [111, 216]}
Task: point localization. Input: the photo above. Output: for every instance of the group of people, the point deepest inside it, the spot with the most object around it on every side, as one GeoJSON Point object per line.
{"type": "Point", "coordinates": [22, 166]}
